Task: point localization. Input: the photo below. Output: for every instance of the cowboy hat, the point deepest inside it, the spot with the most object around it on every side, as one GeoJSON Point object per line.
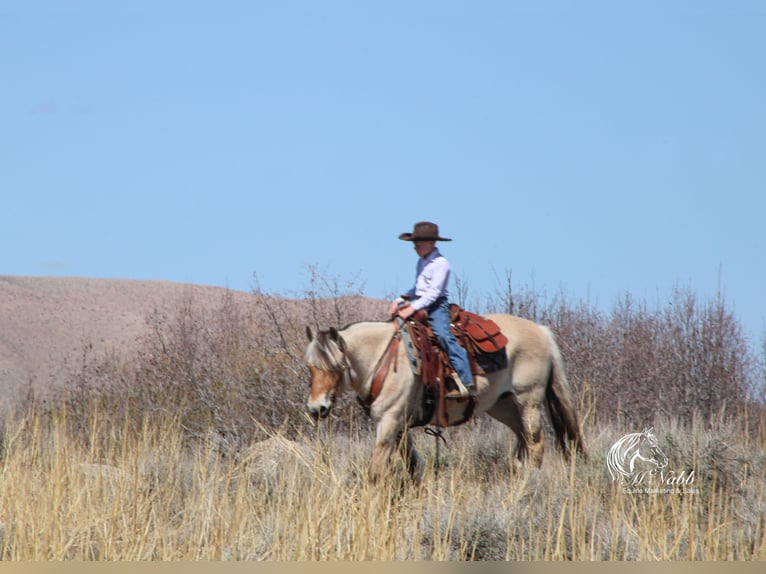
{"type": "Point", "coordinates": [424, 231]}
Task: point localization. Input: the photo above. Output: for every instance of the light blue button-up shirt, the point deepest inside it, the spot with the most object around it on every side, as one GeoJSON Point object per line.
{"type": "Point", "coordinates": [431, 281]}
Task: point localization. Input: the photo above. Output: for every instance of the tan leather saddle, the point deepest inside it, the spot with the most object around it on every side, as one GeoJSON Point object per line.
{"type": "Point", "coordinates": [482, 339]}
{"type": "Point", "coordinates": [479, 336]}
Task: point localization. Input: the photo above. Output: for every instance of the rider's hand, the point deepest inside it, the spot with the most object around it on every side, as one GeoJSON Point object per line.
{"type": "Point", "coordinates": [407, 311]}
{"type": "Point", "coordinates": [393, 309]}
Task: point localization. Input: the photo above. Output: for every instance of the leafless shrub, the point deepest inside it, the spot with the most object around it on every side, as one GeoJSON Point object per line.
{"type": "Point", "coordinates": [234, 369]}
{"type": "Point", "coordinates": [228, 369]}
{"type": "Point", "coordinates": [687, 358]}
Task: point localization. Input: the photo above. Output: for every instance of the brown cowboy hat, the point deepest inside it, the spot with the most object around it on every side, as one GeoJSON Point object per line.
{"type": "Point", "coordinates": [424, 231]}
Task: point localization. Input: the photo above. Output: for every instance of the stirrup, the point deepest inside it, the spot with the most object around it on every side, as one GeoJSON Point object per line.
{"type": "Point", "coordinates": [455, 394]}
{"type": "Point", "coordinates": [462, 391]}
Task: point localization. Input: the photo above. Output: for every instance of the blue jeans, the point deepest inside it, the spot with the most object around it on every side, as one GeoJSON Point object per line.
{"type": "Point", "coordinates": [438, 316]}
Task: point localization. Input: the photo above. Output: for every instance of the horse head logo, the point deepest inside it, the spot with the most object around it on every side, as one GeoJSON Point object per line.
{"type": "Point", "coordinates": [634, 453]}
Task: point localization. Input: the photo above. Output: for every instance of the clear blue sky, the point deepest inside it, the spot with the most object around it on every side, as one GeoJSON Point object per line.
{"type": "Point", "coordinates": [599, 148]}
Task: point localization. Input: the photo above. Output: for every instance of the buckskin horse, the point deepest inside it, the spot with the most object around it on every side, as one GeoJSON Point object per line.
{"type": "Point", "coordinates": [516, 395]}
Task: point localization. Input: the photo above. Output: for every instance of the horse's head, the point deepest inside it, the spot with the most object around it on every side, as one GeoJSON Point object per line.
{"type": "Point", "coordinates": [326, 359]}
{"type": "Point", "coordinates": [650, 450]}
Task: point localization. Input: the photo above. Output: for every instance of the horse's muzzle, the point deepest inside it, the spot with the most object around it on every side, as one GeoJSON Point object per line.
{"type": "Point", "coordinates": [319, 411]}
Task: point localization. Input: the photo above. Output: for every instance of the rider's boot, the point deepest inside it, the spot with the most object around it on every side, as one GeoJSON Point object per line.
{"type": "Point", "coordinates": [462, 390]}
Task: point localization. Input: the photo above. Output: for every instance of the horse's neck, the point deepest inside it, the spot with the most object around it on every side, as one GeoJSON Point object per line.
{"type": "Point", "coordinates": [365, 343]}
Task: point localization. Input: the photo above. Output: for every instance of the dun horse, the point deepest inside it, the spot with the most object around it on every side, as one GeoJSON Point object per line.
{"type": "Point", "coordinates": [515, 396]}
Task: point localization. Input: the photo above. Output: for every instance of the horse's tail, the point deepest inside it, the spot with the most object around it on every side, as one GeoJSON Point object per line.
{"type": "Point", "coordinates": [561, 404]}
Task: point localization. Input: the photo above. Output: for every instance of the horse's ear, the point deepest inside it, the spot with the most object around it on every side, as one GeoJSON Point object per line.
{"type": "Point", "coordinates": [309, 334]}
{"type": "Point", "coordinates": [335, 336]}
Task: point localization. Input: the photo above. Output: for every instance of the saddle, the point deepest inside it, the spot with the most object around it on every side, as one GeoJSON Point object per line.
{"type": "Point", "coordinates": [479, 336]}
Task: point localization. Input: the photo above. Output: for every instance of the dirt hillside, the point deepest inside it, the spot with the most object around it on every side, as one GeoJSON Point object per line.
{"type": "Point", "coordinates": [47, 323]}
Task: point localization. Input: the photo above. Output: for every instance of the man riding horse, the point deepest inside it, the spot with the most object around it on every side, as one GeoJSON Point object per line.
{"type": "Point", "coordinates": [363, 356]}
{"type": "Point", "coordinates": [430, 294]}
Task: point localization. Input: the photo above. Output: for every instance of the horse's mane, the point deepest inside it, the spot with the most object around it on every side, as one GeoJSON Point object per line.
{"type": "Point", "coordinates": [353, 323]}
{"type": "Point", "coordinates": [323, 353]}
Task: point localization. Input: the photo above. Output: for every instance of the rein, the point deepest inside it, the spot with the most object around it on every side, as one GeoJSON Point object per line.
{"type": "Point", "coordinates": [389, 356]}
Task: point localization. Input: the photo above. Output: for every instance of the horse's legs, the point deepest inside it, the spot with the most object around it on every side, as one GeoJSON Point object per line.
{"type": "Point", "coordinates": [391, 437]}
{"type": "Point", "coordinates": [411, 458]}
{"type": "Point", "coordinates": [506, 411]}
{"type": "Point", "coordinates": [531, 418]}
{"type": "Point", "coordinates": [526, 421]}
{"type": "Point", "coordinates": [386, 441]}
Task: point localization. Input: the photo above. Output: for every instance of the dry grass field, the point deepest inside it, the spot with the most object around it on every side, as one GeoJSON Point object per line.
{"type": "Point", "coordinates": [138, 492]}
{"type": "Point", "coordinates": [166, 422]}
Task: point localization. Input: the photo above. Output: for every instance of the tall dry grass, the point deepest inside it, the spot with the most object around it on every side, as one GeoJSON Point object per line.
{"type": "Point", "coordinates": [141, 492]}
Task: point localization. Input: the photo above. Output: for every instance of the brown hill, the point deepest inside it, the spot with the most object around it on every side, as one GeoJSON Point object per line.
{"type": "Point", "coordinates": [46, 324]}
